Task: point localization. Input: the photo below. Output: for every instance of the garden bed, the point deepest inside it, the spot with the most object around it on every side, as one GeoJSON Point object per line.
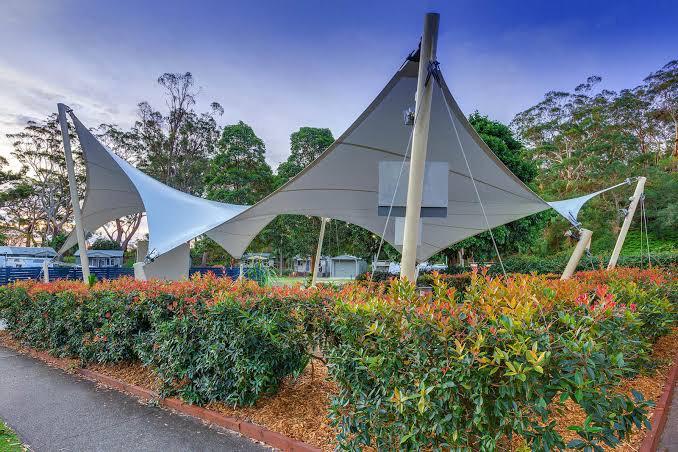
{"type": "Point", "coordinates": [299, 409]}
{"type": "Point", "coordinates": [474, 362]}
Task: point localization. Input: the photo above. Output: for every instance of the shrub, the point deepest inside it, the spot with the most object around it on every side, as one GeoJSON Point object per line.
{"type": "Point", "coordinates": [227, 349]}
{"type": "Point", "coordinates": [418, 372]}
{"type": "Point", "coordinates": [543, 265]}
{"type": "Point", "coordinates": [208, 338]}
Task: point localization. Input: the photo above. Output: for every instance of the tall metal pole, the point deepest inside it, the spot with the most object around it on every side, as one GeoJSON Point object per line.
{"type": "Point", "coordinates": [637, 194]}
{"type": "Point", "coordinates": [429, 41]}
{"type": "Point", "coordinates": [582, 245]}
{"type": "Point", "coordinates": [72, 185]}
{"type": "Point", "coordinates": [318, 251]}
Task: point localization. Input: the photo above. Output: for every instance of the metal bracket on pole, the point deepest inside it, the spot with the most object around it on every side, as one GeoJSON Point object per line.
{"type": "Point", "coordinates": [427, 55]}
{"type": "Point", "coordinates": [72, 185]}
{"type": "Point", "coordinates": [318, 252]}
{"type": "Point", "coordinates": [628, 218]}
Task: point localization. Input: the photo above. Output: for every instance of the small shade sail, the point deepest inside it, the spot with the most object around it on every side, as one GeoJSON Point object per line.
{"type": "Point", "coordinates": [115, 188]}
{"type": "Point", "coordinates": [343, 183]}
{"type": "Point", "coordinates": [569, 208]}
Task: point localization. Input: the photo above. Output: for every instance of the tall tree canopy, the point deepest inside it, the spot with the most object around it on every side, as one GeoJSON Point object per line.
{"type": "Point", "coordinates": [239, 174]}
{"type": "Point", "coordinates": [516, 236]}
{"type": "Point", "coordinates": [175, 147]}
{"type": "Point", "coordinates": [41, 206]}
{"type": "Point", "coordinates": [306, 145]}
{"type": "Point", "coordinates": [591, 138]}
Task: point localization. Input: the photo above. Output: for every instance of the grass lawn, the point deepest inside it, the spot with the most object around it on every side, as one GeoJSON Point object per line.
{"type": "Point", "coordinates": [9, 442]}
{"type": "Point", "coordinates": [292, 280]}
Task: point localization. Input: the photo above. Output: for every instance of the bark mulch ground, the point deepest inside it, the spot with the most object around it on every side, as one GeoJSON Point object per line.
{"type": "Point", "coordinates": [650, 385]}
{"type": "Point", "coordinates": [299, 409]}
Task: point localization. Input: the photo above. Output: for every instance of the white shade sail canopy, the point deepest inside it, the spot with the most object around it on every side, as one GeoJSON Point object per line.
{"type": "Point", "coordinates": [115, 189]}
{"type": "Point", "coordinates": [569, 208]}
{"type": "Point", "coordinates": [343, 183]}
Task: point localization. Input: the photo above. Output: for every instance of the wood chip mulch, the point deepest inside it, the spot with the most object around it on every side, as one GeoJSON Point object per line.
{"type": "Point", "coordinates": [650, 385]}
{"type": "Point", "coordinates": [299, 409]}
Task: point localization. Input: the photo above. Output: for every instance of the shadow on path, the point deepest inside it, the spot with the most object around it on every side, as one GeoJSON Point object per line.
{"type": "Point", "coordinates": [51, 410]}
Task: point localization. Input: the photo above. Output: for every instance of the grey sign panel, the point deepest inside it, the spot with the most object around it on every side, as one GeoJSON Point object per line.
{"type": "Point", "coordinates": [434, 196]}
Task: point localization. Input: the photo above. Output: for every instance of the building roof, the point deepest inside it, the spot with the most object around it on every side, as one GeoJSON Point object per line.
{"type": "Point", "coordinates": [101, 253]}
{"type": "Point", "coordinates": [33, 251]}
{"type": "Point", "coordinates": [346, 257]}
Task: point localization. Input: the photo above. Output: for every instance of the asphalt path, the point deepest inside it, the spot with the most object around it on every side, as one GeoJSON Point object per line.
{"type": "Point", "coordinates": [52, 410]}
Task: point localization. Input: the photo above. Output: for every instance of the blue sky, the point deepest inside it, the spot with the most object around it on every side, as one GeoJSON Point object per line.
{"type": "Point", "coordinates": [279, 65]}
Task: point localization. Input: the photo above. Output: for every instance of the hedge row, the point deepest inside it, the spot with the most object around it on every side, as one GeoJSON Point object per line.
{"type": "Point", "coordinates": [556, 265]}
{"type": "Point", "coordinates": [476, 367]}
{"type": "Point", "coordinates": [207, 339]}
{"type": "Point", "coordinates": [431, 372]}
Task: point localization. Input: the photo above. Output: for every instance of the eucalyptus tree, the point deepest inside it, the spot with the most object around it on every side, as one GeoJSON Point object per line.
{"type": "Point", "coordinates": [44, 209]}
{"type": "Point", "coordinates": [175, 147]}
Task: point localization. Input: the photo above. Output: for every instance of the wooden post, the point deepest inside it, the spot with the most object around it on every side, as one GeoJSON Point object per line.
{"type": "Point", "coordinates": [415, 186]}
{"type": "Point", "coordinates": [72, 185]}
{"type": "Point", "coordinates": [637, 194]}
{"type": "Point", "coordinates": [318, 251]}
{"type": "Point", "coordinates": [582, 244]}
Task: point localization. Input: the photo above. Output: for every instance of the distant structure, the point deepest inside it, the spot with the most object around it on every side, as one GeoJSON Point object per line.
{"type": "Point", "coordinates": [302, 266]}
{"type": "Point", "coordinates": [256, 259]}
{"type": "Point", "coordinates": [346, 266]}
{"type": "Point", "coordinates": [28, 256]}
{"type": "Point", "coordinates": [101, 258]}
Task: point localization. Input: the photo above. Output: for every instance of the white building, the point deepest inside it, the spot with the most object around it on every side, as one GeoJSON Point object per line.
{"type": "Point", "coordinates": [346, 266]}
{"type": "Point", "coordinates": [101, 258]}
{"type": "Point", "coordinates": [29, 256]}
{"type": "Point", "coordinates": [302, 266]}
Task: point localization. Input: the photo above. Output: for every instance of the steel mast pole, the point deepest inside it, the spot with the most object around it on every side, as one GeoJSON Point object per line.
{"type": "Point", "coordinates": [637, 194]}
{"type": "Point", "coordinates": [73, 187]}
{"type": "Point", "coordinates": [429, 41]}
{"type": "Point", "coordinates": [582, 245]}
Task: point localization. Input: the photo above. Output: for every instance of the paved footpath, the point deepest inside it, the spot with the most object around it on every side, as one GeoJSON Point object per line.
{"type": "Point", "coordinates": [668, 441]}
{"type": "Point", "coordinates": [51, 410]}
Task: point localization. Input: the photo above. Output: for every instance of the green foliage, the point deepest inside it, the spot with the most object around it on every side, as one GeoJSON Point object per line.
{"type": "Point", "coordinates": [105, 244]}
{"type": "Point", "coordinates": [207, 339]}
{"type": "Point", "coordinates": [231, 351]}
{"type": "Point", "coordinates": [239, 174]}
{"type": "Point", "coordinates": [556, 264]}
{"type": "Point", "coordinates": [9, 441]}
{"type": "Point", "coordinates": [216, 255]}
{"type": "Point", "coordinates": [306, 145]}
{"type": "Point", "coordinates": [517, 236]}
{"type": "Point", "coordinates": [416, 373]}
{"type": "Point", "coordinates": [589, 139]}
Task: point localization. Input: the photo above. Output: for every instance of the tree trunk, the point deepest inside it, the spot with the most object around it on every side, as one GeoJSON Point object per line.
{"type": "Point", "coordinates": [204, 259]}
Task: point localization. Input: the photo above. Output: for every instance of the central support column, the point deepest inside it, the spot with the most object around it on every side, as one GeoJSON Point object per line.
{"type": "Point", "coordinates": [72, 185]}
{"type": "Point", "coordinates": [429, 41]}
